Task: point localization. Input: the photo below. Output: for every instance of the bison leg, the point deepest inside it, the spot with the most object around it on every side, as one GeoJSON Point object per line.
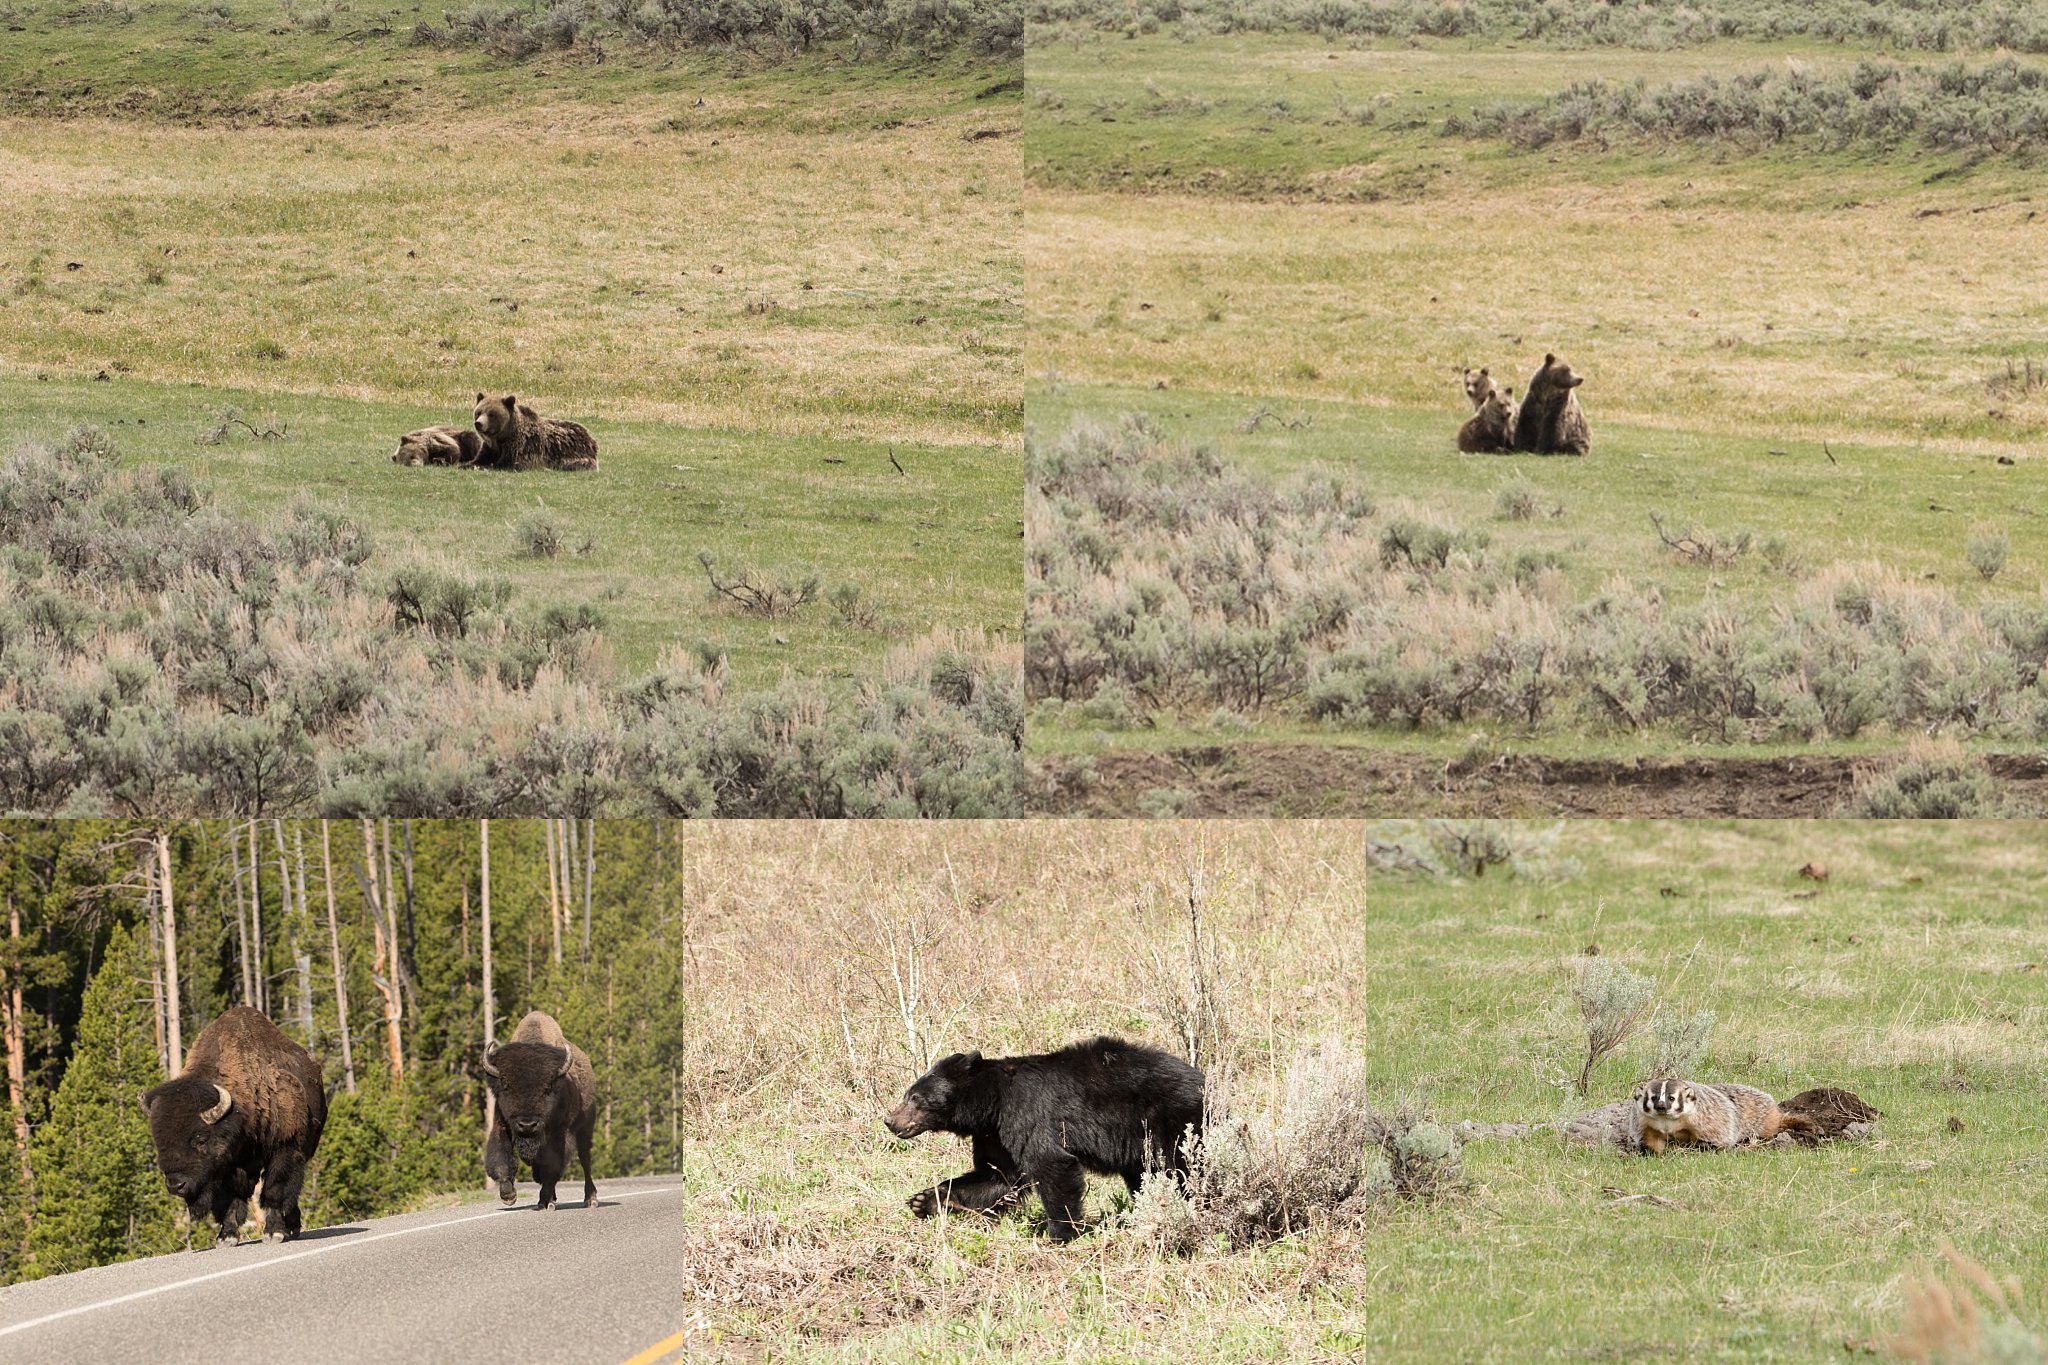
{"type": "Point", "coordinates": [282, 1180]}
{"type": "Point", "coordinates": [500, 1165]}
{"type": "Point", "coordinates": [583, 1155]}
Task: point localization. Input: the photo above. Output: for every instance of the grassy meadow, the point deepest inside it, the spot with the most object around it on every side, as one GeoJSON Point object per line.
{"type": "Point", "coordinates": [1288, 248]}
{"type": "Point", "coordinates": [778, 277]}
{"type": "Point", "coordinates": [1911, 975]}
{"type": "Point", "coordinates": [750, 278]}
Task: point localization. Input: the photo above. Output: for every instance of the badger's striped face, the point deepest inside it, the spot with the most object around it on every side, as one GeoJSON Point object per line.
{"type": "Point", "coordinates": [1666, 1099]}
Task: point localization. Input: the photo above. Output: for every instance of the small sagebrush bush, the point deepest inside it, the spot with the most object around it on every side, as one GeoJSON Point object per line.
{"type": "Point", "coordinates": [160, 653]}
{"type": "Point", "coordinates": [1517, 499]}
{"type": "Point", "coordinates": [1986, 553]}
{"type": "Point", "coordinates": [1613, 1003]}
{"type": "Point", "coordinates": [1165, 580]}
{"type": "Point", "coordinates": [1328, 1158]}
{"type": "Point", "coordinates": [1996, 108]}
{"type": "Point", "coordinates": [1679, 1043]}
{"type": "Point", "coordinates": [537, 534]}
{"type": "Point", "coordinates": [1908, 24]}
{"type": "Point", "coordinates": [1936, 782]}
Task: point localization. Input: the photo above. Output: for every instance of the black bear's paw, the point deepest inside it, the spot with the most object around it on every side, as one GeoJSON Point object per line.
{"type": "Point", "coordinates": [925, 1203]}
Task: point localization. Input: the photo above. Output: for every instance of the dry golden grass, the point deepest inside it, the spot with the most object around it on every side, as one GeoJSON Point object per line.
{"type": "Point", "coordinates": [1718, 304]}
{"type": "Point", "coordinates": [758, 271]}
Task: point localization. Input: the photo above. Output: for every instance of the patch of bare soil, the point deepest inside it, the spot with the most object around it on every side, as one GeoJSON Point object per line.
{"type": "Point", "coordinates": [1294, 780]}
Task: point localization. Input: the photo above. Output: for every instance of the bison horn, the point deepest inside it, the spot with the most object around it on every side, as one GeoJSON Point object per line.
{"type": "Point", "coordinates": [567, 1057]}
{"type": "Point", "coordinates": [490, 1070]}
{"type": "Point", "coordinates": [220, 1108]}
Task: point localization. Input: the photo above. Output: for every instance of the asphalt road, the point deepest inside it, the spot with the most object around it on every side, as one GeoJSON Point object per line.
{"type": "Point", "coordinates": [472, 1283]}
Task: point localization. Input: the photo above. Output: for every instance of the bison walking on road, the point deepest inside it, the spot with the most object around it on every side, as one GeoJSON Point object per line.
{"type": "Point", "coordinates": [250, 1106]}
{"type": "Point", "coordinates": [546, 1092]}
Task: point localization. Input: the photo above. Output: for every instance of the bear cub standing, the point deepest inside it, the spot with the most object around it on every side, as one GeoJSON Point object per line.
{"type": "Point", "coordinates": [516, 437]}
{"type": "Point", "coordinates": [1042, 1121]}
{"type": "Point", "coordinates": [1549, 421]}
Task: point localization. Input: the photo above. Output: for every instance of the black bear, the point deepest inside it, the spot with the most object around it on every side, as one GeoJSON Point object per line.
{"type": "Point", "coordinates": [1042, 1121]}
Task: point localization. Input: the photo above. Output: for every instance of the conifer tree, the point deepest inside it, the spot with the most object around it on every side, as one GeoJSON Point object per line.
{"type": "Point", "coordinates": [98, 1196]}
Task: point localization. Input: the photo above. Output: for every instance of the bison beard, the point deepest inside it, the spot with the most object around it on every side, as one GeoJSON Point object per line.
{"type": "Point", "coordinates": [1043, 1121]}
{"type": "Point", "coordinates": [249, 1107]}
{"type": "Point", "coordinates": [546, 1093]}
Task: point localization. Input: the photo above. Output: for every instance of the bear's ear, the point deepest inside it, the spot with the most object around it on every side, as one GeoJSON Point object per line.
{"type": "Point", "coordinates": [1482, 372]}
{"type": "Point", "coordinates": [479, 395]}
{"type": "Point", "coordinates": [510, 401]}
{"type": "Point", "coordinates": [1549, 360]}
{"type": "Point", "coordinates": [974, 1058]}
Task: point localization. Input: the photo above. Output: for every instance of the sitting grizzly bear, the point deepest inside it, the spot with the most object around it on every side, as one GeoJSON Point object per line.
{"type": "Point", "coordinates": [1491, 430]}
{"type": "Point", "coordinates": [517, 437]}
{"type": "Point", "coordinates": [1549, 421]}
{"type": "Point", "coordinates": [1043, 1121]}
{"type": "Point", "coordinates": [1479, 386]}
{"type": "Point", "coordinates": [439, 445]}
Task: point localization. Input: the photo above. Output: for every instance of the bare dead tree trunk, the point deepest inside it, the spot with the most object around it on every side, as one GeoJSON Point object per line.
{"type": "Point", "coordinates": [305, 959]}
{"type": "Point", "coordinates": [175, 1056]}
{"type": "Point", "coordinates": [490, 1006]}
{"type": "Point", "coordinates": [386, 986]}
{"type": "Point", "coordinates": [16, 1029]}
{"type": "Point", "coordinates": [259, 973]}
{"type": "Point", "coordinates": [401, 962]}
{"type": "Point", "coordinates": [348, 1057]}
{"type": "Point", "coordinates": [554, 888]}
{"type": "Point", "coordinates": [412, 942]}
{"type": "Point", "coordinates": [284, 893]}
{"type": "Point", "coordinates": [589, 874]}
{"type": "Point", "coordinates": [241, 916]}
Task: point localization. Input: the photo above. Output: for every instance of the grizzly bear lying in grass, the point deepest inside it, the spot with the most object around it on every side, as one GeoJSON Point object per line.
{"type": "Point", "coordinates": [517, 437]}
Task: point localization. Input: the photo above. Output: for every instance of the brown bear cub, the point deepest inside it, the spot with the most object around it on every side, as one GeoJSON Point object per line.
{"type": "Point", "coordinates": [1549, 421]}
{"type": "Point", "coordinates": [439, 445]}
{"type": "Point", "coordinates": [1479, 386]}
{"type": "Point", "coordinates": [517, 437]}
{"type": "Point", "coordinates": [1491, 430]}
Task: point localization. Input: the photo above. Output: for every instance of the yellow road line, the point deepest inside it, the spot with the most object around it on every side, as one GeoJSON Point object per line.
{"type": "Point", "coordinates": [660, 1350]}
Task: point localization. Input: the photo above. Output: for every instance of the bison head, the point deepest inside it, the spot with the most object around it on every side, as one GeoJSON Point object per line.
{"type": "Point", "coordinates": [527, 1078]}
{"type": "Point", "coordinates": [933, 1101]}
{"type": "Point", "coordinates": [198, 1128]}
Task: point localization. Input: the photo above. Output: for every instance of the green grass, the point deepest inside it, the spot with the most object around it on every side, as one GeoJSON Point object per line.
{"type": "Point", "coordinates": [1910, 509]}
{"type": "Point", "coordinates": [1913, 976]}
{"type": "Point", "coordinates": [933, 546]}
{"type": "Point", "coordinates": [1828, 350]}
{"type": "Point", "coordinates": [1905, 978]}
{"type": "Point", "coordinates": [1293, 115]}
{"type": "Point", "coordinates": [171, 60]}
{"type": "Point", "coordinates": [752, 274]}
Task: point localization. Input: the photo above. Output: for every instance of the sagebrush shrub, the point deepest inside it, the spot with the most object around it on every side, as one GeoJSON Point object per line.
{"type": "Point", "coordinates": [160, 654]}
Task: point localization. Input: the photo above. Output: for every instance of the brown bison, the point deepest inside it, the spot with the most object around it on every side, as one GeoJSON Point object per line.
{"type": "Point", "coordinates": [546, 1093]}
{"type": "Point", "coordinates": [250, 1106]}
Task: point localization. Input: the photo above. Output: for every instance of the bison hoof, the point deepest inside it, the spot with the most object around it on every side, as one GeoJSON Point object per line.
{"type": "Point", "coordinates": [507, 1194]}
{"type": "Point", "coordinates": [589, 1201]}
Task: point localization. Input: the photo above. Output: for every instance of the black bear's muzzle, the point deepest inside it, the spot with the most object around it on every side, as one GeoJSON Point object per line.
{"type": "Point", "coordinates": [906, 1120]}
